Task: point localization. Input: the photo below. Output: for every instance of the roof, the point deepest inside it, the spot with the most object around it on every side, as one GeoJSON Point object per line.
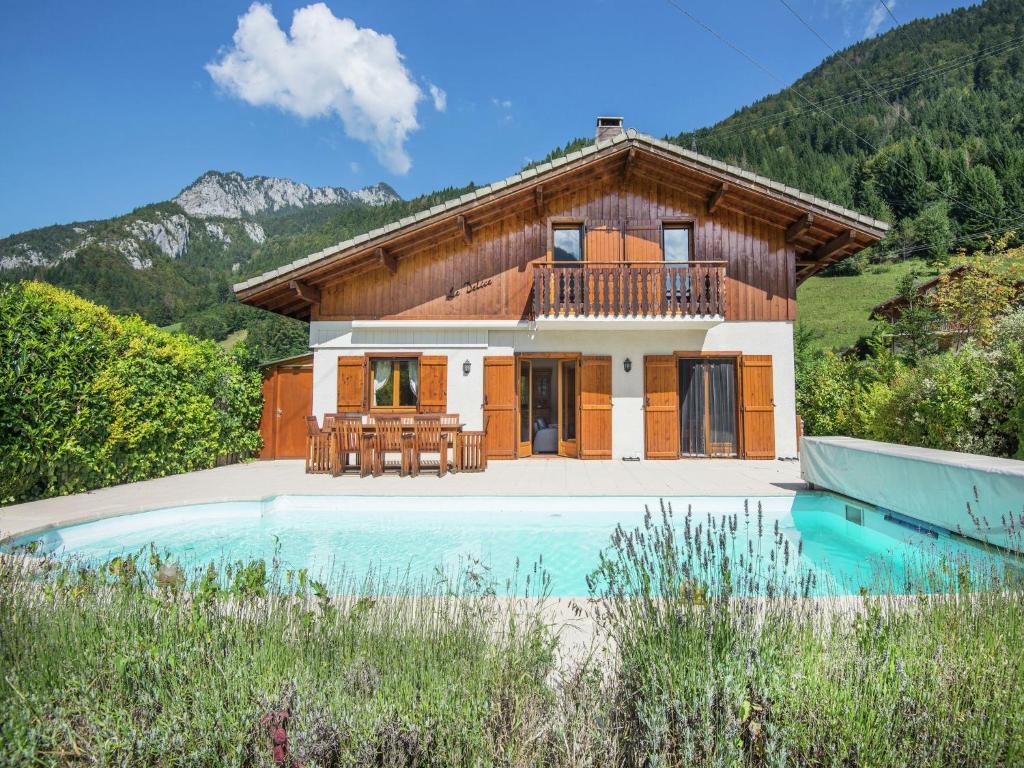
{"type": "Point", "coordinates": [826, 216]}
{"type": "Point", "coordinates": [926, 286]}
{"type": "Point", "coordinates": [306, 358]}
{"type": "Point", "coordinates": [893, 307]}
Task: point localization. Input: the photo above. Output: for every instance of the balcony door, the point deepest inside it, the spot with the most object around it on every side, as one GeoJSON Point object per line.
{"type": "Point", "coordinates": [548, 405]}
{"type": "Point", "coordinates": [708, 407]}
{"type": "Point", "coordinates": [568, 407]}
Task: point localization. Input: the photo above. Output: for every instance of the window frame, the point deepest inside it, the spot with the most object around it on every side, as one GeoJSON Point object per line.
{"type": "Point", "coordinates": [562, 223]}
{"type": "Point", "coordinates": [687, 224]}
{"type": "Point", "coordinates": [394, 357]}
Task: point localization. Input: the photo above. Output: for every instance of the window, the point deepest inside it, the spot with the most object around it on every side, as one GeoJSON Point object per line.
{"type": "Point", "coordinates": [396, 383]}
{"type": "Point", "coordinates": [675, 241]}
{"type": "Point", "coordinates": [675, 244]}
{"type": "Point", "coordinates": [567, 243]}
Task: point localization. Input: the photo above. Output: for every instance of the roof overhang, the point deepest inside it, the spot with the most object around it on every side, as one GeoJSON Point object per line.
{"type": "Point", "coordinates": [821, 232]}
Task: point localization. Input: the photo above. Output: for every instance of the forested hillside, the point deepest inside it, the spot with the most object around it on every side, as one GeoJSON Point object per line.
{"type": "Point", "coordinates": [923, 126]}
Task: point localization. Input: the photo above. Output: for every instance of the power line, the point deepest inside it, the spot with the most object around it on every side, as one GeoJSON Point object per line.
{"type": "Point", "coordinates": [860, 76]}
{"type": "Point", "coordinates": [841, 100]}
{"type": "Point", "coordinates": [799, 93]}
{"type": "Point", "coordinates": [894, 84]}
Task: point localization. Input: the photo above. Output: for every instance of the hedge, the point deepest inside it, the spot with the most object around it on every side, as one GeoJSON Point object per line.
{"type": "Point", "coordinates": [90, 399]}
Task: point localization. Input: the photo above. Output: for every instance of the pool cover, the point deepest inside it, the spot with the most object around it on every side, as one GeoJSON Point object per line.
{"type": "Point", "coordinates": [979, 496]}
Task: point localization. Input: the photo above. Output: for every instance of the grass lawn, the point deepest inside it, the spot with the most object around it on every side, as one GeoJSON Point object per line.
{"type": "Point", "coordinates": [836, 309]}
{"type": "Point", "coordinates": [234, 338]}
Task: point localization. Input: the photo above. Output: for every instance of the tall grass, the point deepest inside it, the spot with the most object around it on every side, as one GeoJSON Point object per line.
{"type": "Point", "coordinates": [718, 655]}
{"type": "Point", "coordinates": [753, 672]}
{"type": "Point", "coordinates": [125, 665]}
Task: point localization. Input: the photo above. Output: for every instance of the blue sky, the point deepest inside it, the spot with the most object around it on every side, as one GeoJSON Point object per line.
{"type": "Point", "coordinates": [108, 106]}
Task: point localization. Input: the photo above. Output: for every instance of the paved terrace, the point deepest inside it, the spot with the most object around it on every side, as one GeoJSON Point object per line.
{"type": "Point", "coordinates": [527, 477]}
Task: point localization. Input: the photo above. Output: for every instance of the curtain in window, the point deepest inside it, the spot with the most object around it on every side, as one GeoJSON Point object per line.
{"type": "Point", "coordinates": [707, 407]}
{"type": "Point", "coordinates": [414, 376]}
{"type": "Point", "coordinates": [381, 381]}
{"type": "Point", "coordinates": [691, 408]}
{"type": "Point", "coordinates": [721, 407]}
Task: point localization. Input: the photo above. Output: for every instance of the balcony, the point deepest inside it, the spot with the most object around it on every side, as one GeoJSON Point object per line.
{"type": "Point", "coordinates": [686, 291]}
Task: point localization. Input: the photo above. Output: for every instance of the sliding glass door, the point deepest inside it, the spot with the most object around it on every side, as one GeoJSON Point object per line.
{"type": "Point", "coordinates": [707, 406]}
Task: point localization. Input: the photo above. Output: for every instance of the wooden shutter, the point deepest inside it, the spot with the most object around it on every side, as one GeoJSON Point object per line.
{"type": "Point", "coordinates": [500, 406]}
{"type": "Point", "coordinates": [643, 241]}
{"type": "Point", "coordinates": [595, 407]}
{"type": "Point", "coordinates": [434, 384]}
{"type": "Point", "coordinates": [661, 407]}
{"type": "Point", "coordinates": [758, 407]}
{"type": "Point", "coordinates": [604, 241]}
{"type": "Point", "coordinates": [352, 383]}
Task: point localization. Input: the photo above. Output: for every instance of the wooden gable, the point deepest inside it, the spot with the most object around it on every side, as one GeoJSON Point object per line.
{"type": "Point", "coordinates": [470, 260]}
{"type": "Point", "coordinates": [490, 277]}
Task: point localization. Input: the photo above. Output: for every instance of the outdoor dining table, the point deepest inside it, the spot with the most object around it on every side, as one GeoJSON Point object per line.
{"type": "Point", "coordinates": [368, 429]}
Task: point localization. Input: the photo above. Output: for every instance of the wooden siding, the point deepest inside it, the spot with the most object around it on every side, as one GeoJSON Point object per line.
{"type": "Point", "coordinates": [490, 276]}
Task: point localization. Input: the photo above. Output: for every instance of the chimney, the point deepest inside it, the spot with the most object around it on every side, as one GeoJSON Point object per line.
{"type": "Point", "coordinates": [607, 128]}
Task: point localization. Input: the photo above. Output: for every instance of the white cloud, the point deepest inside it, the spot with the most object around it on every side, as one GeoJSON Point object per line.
{"type": "Point", "coordinates": [439, 96]}
{"type": "Point", "coordinates": [354, 166]}
{"type": "Point", "coordinates": [878, 17]}
{"type": "Point", "coordinates": [325, 66]}
{"type": "Point", "coordinates": [501, 103]}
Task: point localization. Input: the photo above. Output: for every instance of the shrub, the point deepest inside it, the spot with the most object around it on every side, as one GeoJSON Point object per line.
{"type": "Point", "coordinates": [88, 399]}
{"type": "Point", "coordinates": [967, 400]}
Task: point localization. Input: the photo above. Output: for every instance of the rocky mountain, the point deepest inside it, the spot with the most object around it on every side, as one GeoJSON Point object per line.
{"type": "Point", "coordinates": [234, 196]}
{"type": "Point", "coordinates": [217, 212]}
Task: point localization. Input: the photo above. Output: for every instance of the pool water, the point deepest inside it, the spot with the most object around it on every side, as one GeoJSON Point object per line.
{"type": "Point", "coordinates": [413, 540]}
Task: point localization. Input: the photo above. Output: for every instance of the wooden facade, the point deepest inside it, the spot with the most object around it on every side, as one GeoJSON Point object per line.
{"type": "Point", "coordinates": [429, 265]}
{"type": "Point", "coordinates": [491, 277]}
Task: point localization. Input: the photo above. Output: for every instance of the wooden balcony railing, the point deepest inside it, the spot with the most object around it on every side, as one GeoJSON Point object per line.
{"type": "Point", "coordinates": [622, 289]}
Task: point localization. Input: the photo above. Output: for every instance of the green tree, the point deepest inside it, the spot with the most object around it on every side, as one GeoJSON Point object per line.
{"type": "Point", "coordinates": [979, 205]}
{"type": "Point", "coordinates": [914, 330]}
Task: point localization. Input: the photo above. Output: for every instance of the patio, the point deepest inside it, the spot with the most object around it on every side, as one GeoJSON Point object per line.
{"type": "Point", "coordinates": [531, 477]}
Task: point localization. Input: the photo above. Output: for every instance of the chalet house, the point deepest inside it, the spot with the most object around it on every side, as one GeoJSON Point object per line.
{"type": "Point", "coordinates": [629, 300]}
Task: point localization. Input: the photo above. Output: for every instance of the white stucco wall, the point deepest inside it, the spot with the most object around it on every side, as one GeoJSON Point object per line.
{"type": "Point", "coordinates": [465, 392]}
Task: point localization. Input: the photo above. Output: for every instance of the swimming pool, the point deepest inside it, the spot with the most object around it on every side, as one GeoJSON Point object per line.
{"type": "Point", "coordinates": [849, 547]}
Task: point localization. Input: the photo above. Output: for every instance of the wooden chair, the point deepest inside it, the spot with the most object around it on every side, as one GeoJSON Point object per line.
{"type": "Point", "coordinates": [429, 437]}
{"type": "Point", "coordinates": [318, 447]}
{"type": "Point", "coordinates": [390, 437]}
{"type": "Point", "coordinates": [348, 442]}
{"type": "Point", "coordinates": [450, 420]}
{"type": "Point", "coordinates": [470, 451]}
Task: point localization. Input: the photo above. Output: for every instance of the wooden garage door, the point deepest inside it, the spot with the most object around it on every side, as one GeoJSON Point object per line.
{"type": "Point", "coordinates": [661, 407]}
{"type": "Point", "coordinates": [500, 406]}
{"type": "Point", "coordinates": [595, 407]}
{"type": "Point", "coordinates": [758, 407]}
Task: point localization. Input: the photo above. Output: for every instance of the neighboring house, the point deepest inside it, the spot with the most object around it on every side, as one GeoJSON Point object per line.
{"type": "Point", "coordinates": [892, 309]}
{"type": "Point", "coordinates": [632, 299]}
